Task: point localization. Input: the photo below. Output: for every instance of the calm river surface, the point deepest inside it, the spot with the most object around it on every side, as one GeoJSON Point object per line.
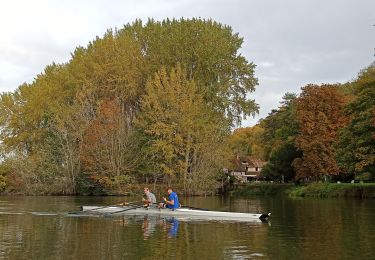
{"type": "Point", "coordinates": [41, 228]}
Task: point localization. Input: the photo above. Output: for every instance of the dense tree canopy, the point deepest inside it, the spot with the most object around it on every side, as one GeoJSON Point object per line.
{"type": "Point", "coordinates": [325, 133]}
{"type": "Point", "coordinates": [280, 131]}
{"type": "Point", "coordinates": [178, 128]}
{"type": "Point", "coordinates": [209, 52]}
{"type": "Point", "coordinates": [72, 128]}
{"type": "Point", "coordinates": [280, 126]}
{"type": "Point", "coordinates": [247, 141]}
{"type": "Point", "coordinates": [157, 101]}
{"type": "Point", "coordinates": [319, 113]}
{"type": "Point", "coordinates": [356, 144]}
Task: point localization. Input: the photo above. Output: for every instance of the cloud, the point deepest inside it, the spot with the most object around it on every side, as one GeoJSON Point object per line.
{"type": "Point", "coordinates": [265, 64]}
{"type": "Point", "coordinates": [292, 42]}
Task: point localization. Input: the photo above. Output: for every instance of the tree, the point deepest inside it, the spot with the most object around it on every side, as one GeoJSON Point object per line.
{"type": "Point", "coordinates": [177, 127]}
{"type": "Point", "coordinates": [279, 167]}
{"type": "Point", "coordinates": [209, 51]}
{"type": "Point", "coordinates": [246, 141]}
{"type": "Point", "coordinates": [108, 154]}
{"type": "Point", "coordinates": [46, 124]}
{"type": "Point", "coordinates": [319, 113]}
{"type": "Point", "coordinates": [280, 126]}
{"type": "Point", "coordinates": [356, 144]}
{"type": "Point", "coordinates": [28, 138]}
{"type": "Point", "coordinates": [280, 130]}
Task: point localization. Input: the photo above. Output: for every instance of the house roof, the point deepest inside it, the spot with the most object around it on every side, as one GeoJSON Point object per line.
{"type": "Point", "coordinates": [241, 162]}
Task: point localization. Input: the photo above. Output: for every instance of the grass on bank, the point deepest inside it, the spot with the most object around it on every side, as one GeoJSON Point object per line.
{"type": "Point", "coordinates": [320, 190]}
{"type": "Point", "coordinates": [334, 190]}
{"type": "Point", "coordinates": [261, 189]}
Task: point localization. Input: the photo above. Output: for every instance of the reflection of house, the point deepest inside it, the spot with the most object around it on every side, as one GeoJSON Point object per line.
{"type": "Point", "coordinates": [247, 168]}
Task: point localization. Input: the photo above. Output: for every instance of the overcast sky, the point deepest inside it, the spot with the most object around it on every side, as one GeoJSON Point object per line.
{"type": "Point", "coordinates": [292, 42]}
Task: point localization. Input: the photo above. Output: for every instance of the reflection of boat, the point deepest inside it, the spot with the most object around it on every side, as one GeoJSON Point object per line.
{"type": "Point", "coordinates": [148, 227]}
{"type": "Point", "coordinates": [149, 224]}
{"type": "Point", "coordinates": [181, 213]}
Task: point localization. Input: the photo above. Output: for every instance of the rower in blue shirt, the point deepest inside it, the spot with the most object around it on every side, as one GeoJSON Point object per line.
{"type": "Point", "coordinates": [172, 201]}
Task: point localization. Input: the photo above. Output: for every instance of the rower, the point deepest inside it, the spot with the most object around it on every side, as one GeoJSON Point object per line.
{"type": "Point", "coordinates": [150, 197]}
{"type": "Point", "coordinates": [172, 201]}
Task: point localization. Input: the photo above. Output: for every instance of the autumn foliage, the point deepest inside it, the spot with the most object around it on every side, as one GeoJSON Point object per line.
{"type": "Point", "coordinates": [327, 133]}
{"type": "Point", "coordinates": [73, 129]}
{"type": "Point", "coordinates": [319, 114]}
{"type": "Point", "coordinates": [156, 102]}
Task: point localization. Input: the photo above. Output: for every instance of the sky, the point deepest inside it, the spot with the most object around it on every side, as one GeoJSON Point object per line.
{"type": "Point", "coordinates": [292, 42]}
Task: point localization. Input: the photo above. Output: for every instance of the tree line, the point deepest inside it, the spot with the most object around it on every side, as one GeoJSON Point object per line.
{"type": "Point", "coordinates": [151, 102]}
{"type": "Point", "coordinates": [325, 133]}
{"type": "Point", "coordinates": [156, 102]}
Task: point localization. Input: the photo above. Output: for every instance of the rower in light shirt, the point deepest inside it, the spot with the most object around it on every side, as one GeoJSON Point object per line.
{"type": "Point", "coordinates": [150, 197]}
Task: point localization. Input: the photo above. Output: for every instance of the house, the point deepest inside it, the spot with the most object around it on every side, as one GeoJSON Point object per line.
{"type": "Point", "coordinates": [247, 168]}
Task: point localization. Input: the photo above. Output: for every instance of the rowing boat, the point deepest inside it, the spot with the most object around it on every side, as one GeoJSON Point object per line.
{"type": "Point", "coordinates": [179, 213]}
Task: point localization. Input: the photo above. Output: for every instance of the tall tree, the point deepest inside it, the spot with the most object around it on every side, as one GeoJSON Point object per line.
{"type": "Point", "coordinates": [356, 145]}
{"type": "Point", "coordinates": [28, 138]}
{"type": "Point", "coordinates": [108, 154]}
{"type": "Point", "coordinates": [280, 131]}
{"type": "Point", "coordinates": [319, 114]}
{"type": "Point", "coordinates": [48, 122]}
{"type": "Point", "coordinates": [210, 53]}
{"type": "Point", "coordinates": [177, 127]}
{"type": "Point", "coordinates": [280, 126]}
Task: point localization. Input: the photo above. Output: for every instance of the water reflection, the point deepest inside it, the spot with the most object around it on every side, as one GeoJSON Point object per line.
{"type": "Point", "coordinates": [148, 227]}
{"type": "Point", "coordinates": [168, 225]}
{"type": "Point", "coordinates": [301, 229]}
{"type": "Point", "coordinates": [173, 227]}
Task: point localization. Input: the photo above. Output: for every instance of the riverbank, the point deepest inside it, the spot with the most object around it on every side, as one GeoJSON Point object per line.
{"type": "Point", "coordinates": [135, 189]}
{"type": "Point", "coordinates": [260, 189]}
{"type": "Point", "coordinates": [334, 190]}
{"type": "Point", "coordinates": [318, 190]}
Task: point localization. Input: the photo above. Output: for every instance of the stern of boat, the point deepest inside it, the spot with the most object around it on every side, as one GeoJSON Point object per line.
{"type": "Point", "coordinates": [264, 216]}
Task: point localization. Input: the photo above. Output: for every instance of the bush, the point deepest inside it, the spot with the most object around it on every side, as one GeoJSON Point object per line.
{"type": "Point", "coordinates": [261, 189]}
{"type": "Point", "coordinates": [335, 190]}
{"type": "Point", "coordinates": [5, 170]}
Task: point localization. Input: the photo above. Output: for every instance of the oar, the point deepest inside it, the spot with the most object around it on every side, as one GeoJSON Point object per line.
{"type": "Point", "coordinates": [129, 203]}
{"type": "Point", "coordinates": [190, 207]}
{"type": "Point", "coordinates": [120, 204]}
{"type": "Point", "coordinates": [82, 212]}
{"type": "Point", "coordinates": [130, 208]}
{"type": "Point", "coordinates": [134, 207]}
{"type": "Point", "coordinates": [103, 207]}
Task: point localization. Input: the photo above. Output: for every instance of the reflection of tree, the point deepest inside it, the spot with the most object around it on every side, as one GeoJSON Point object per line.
{"type": "Point", "coordinates": [320, 229]}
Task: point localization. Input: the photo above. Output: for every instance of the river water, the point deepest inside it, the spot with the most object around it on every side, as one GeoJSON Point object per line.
{"type": "Point", "coordinates": [46, 228]}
